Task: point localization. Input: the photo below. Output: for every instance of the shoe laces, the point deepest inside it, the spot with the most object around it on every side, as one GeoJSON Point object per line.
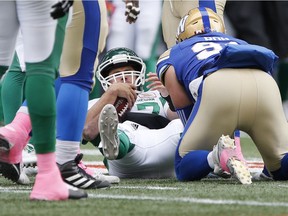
{"type": "Point", "coordinates": [81, 165]}
{"type": "Point", "coordinates": [29, 148]}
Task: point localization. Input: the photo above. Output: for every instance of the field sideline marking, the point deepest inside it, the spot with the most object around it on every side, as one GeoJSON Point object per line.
{"type": "Point", "coordinates": [190, 200]}
{"type": "Point", "coordinates": [146, 187]}
{"type": "Point", "coordinates": [162, 199]}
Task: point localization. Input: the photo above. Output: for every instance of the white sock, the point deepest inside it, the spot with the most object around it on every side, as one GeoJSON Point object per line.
{"type": "Point", "coordinates": [66, 151]}
{"type": "Point", "coordinates": [210, 160]}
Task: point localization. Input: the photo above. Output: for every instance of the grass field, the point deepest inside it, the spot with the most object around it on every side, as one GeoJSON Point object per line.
{"type": "Point", "coordinates": [158, 197]}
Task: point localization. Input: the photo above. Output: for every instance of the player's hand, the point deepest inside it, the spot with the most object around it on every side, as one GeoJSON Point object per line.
{"type": "Point", "coordinates": [132, 10]}
{"type": "Point", "coordinates": [61, 8]}
{"type": "Point", "coordinates": [156, 84]}
{"type": "Point", "coordinates": [125, 90]}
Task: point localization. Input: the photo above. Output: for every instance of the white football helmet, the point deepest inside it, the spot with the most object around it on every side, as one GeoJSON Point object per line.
{"type": "Point", "coordinates": [119, 57]}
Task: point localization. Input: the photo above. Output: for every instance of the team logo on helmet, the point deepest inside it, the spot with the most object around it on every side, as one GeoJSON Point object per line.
{"type": "Point", "coordinates": [198, 21]}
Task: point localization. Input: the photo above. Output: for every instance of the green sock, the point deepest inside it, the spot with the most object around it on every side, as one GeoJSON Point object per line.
{"type": "Point", "coordinates": [41, 100]}
{"type": "Point", "coordinates": [12, 94]}
{"type": "Point", "coordinates": [3, 70]}
{"type": "Point", "coordinates": [125, 147]}
{"type": "Point", "coordinates": [12, 88]}
{"type": "Point", "coordinates": [125, 144]}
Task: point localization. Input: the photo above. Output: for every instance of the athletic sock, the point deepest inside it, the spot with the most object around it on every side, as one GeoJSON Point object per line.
{"type": "Point", "coordinates": [48, 182]}
{"type": "Point", "coordinates": [41, 101]}
{"type": "Point", "coordinates": [125, 145]}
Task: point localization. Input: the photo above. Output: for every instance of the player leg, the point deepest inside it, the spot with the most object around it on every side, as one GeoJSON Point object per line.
{"type": "Point", "coordinates": [173, 11]}
{"type": "Point", "coordinates": [13, 84]}
{"type": "Point", "coordinates": [10, 152]}
{"type": "Point", "coordinates": [121, 33]}
{"type": "Point", "coordinates": [272, 145]}
{"type": "Point", "coordinates": [42, 55]}
{"type": "Point", "coordinates": [201, 135]}
{"type": "Point", "coordinates": [115, 143]}
{"type": "Point", "coordinates": [153, 151]}
{"type": "Point", "coordinates": [147, 29]}
{"type": "Point", "coordinates": [76, 72]}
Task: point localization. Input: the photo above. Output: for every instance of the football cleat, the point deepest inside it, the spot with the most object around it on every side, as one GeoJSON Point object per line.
{"type": "Point", "coordinates": [12, 141]}
{"type": "Point", "coordinates": [96, 174]}
{"type": "Point", "coordinates": [10, 171]}
{"type": "Point", "coordinates": [108, 124]}
{"type": "Point", "coordinates": [227, 159]}
{"type": "Point", "coordinates": [74, 175]}
{"type": "Point", "coordinates": [23, 178]}
{"type": "Point", "coordinates": [110, 178]}
{"type": "Point", "coordinates": [30, 171]}
{"type": "Point", "coordinates": [49, 186]}
{"type": "Point", "coordinates": [73, 193]}
{"type": "Point", "coordinates": [29, 158]}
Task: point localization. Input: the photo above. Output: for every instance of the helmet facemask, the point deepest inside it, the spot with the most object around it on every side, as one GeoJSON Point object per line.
{"type": "Point", "coordinates": [120, 57]}
{"type": "Point", "coordinates": [137, 78]}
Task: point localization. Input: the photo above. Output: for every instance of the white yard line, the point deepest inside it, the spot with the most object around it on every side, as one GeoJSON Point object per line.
{"type": "Point", "coordinates": [190, 200]}
{"type": "Point", "coordinates": [160, 198]}
{"type": "Point", "coordinates": [146, 187]}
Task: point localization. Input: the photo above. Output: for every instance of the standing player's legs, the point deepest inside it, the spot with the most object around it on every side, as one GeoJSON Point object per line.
{"type": "Point", "coordinates": [43, 40]}
{"type": "Point", "coordinates": [147, 33]}
{"type": "Point", "coordinates": [97, 90]}
{"type": "Point", "coordinates": [13, 84]}
{"type": "Point", "coordinates": [173, 11]}
{"type": "Point", "coordinates": [10, 153]}
{"type": "Point", "coordinates": [76, 72]}
{"type": "Point", "coordinates": [8, 17]}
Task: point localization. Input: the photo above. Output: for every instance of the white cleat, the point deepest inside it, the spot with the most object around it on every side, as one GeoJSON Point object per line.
{"type": "Point", "coordinates": [108, 124]}
{"type": "Point", "coordinates": [239, 170]}
{"type": "Point", "coordinates": [227, 158]}
{"type": "Point", "coordinates": [29, 156]}
{"type": "Point", "coordinates": [111, 179]}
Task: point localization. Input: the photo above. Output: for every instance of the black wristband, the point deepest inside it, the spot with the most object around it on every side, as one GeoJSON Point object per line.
{"type": "Point", "coordinates": [170, 103]}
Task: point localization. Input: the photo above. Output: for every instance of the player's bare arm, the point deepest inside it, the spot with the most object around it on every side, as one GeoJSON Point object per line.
{"type": "Point", "coordinates": [176, 91]}
{"type": "Point", "coordinates": [157, 85]}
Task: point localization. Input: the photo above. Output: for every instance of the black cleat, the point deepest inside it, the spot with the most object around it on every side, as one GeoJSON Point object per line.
{"type": "Point", "coordinates": [75, 193]}
{"type": "Point", "coordinates": [10, 171]}
{"type": "Point", "coordinates": [73, 175]}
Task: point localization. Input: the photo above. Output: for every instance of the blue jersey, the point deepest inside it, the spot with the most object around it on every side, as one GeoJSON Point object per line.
{"type": "Point", "coordinates": [206, 53]}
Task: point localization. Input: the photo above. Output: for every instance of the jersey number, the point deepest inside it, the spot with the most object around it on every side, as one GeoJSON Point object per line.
{"type": "Point", "coordinates": [207, 49]}
{"type": "Point", "coordinates": [153, 106]}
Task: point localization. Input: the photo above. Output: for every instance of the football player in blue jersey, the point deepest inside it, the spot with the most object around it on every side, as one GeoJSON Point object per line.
{"type": "Point", "coordinates": [219, 84]}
